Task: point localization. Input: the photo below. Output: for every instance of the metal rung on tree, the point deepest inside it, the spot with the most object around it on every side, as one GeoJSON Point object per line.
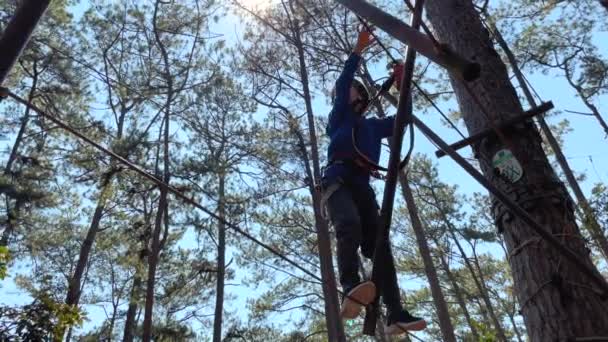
{"type": "Point", "coordinates": [475, 138]}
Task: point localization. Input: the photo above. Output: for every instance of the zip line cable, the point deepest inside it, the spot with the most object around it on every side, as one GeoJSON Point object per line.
{"type": "Point", "coordinates": [4, 92]}
{"type": "Point", "coordinates": [416, 85]}
{"type": "Point", "coordinates": [159, 182]}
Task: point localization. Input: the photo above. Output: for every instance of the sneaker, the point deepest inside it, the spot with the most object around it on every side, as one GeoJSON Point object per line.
{"type": "Point", "coordinates": [358, 296]}
{"type": "Point", "coordinates": [402, 322]}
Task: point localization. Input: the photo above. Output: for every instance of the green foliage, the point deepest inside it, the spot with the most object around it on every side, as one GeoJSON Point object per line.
{"type": "Point", "coordinates": [599, 203]}
{"type": "Point", "coordinates": [5, 258]}
{"type": "Point", "coordinates": [43, 319]}
{"type": "Point", "coordinates": [487, 334]}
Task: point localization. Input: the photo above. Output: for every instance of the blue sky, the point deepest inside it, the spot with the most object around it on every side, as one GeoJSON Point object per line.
{"type": "Point", "coordinates": [585, 149]}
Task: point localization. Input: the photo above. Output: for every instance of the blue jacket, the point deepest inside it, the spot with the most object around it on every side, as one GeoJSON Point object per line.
{"type": "Point", "coordinates": [342, 119]}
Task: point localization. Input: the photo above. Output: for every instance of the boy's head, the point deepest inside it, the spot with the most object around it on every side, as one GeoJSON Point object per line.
{"type": "Point", "coordinates": [359, 97]}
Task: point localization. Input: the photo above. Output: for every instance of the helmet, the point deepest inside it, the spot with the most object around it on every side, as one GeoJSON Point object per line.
{"type": "Point", "coordinates": [361, 89]}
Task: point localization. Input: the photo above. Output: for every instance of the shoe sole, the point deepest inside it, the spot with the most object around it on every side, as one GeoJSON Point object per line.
{"type": "Point", "coordinates": [362, 294]}
{"type": "Point", "coordinates": [400, 328]}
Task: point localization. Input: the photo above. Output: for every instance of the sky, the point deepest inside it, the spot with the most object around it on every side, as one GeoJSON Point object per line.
{"type": "Point", "coordinates": [585, 148]}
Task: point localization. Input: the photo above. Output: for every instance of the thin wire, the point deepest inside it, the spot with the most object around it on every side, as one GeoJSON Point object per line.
{"type": "Point", "coordinates": [416, 85]}
{"type": "Point", "coordinates": [466, 86]}
{"type": "Point", "coordinates": [445, 117]}
{"type": "Point", "coordinates": [171, 189]}
{"type": "Point", "coordinates": [594, 169]}
{"type": "Point", "coordinates": [532, 87]}
{"type": "Point", "coordinates": [378, 41]}
{"type": "Point", "coordinates": [160, 183]}
{"type": "Point", "coordinates": [424, 27]}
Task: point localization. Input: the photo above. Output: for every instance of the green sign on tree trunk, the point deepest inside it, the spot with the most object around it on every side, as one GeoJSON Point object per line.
{"type": "Point", "coordinates": [505, 162]}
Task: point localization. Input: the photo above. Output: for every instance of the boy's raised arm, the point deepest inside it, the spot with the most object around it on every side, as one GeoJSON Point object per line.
{"type": "Point", "coordinates": [344, 82]}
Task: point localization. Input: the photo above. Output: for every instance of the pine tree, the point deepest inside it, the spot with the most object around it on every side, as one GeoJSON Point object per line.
{"type": "Point", "coordinates": [273, 72]}
{"type": "Point", "coordinates": [542, 291]}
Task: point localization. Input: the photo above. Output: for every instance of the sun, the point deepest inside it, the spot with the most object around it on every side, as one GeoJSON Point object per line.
{"type": "Point", "coordinates": [257, 4]}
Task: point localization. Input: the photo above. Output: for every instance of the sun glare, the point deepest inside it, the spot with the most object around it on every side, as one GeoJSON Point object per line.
{"type": "Point", "coordinates": [257, 4]}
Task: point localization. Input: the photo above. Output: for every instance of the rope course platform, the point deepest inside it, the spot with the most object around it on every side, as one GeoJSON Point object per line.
{"type": "Point", "coordinates": [475, 138]}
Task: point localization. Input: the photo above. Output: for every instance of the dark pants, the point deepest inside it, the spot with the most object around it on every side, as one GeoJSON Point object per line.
{"type": "Point", "coordinates": [355, 215]}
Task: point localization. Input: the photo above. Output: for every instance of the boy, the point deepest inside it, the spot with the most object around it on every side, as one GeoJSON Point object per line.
{"type": "Point", "coordinates": [350, 200]}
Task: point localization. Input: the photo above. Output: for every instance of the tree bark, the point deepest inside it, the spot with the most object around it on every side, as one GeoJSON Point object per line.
{"type": "Point", "coordinates": [130, 322]}
{"type": "Point", "coordinates": [135, 295]}
{"type": "Point", "coordinates": [590, 220]}
{"type": "Point", "coordinates": [156, 246]}
{"type": "Point", "coordinates": [13, 214]}
{"type": "Point", "coordinates": [332, 314]}
{"type": "Point", "coordinates": [554, 295]}
{"type": "Point", "coordinates": [75, 284]}
{"type": "Point", "coordinates": [17, 33]}
{"type": "Point", "coordinates": [221, 263]}
{"type": "Point", "coordinates": [445, 324]}
{"type": "Point", "coordinates": [477, 279]}
{"type": "Point", "coordinates": [162, 209]}
{"type": "Point", "coordinates": [458, 294]}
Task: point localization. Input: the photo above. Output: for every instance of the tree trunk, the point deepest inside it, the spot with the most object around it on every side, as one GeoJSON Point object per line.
{"type": "Point", "coordinates": [153, 261]}
{"type": "Point", "coordinates": [479, 283]}
{"type": "Point", "coordinates": [130, 322]}
{"type": "Point", "coordinates": [17, 33]}
{"type": "Point", "coordinates": [112, 322]}
{"type": "Point", "coordinates": [553, 294]}
{"type": "Point", "coordinates": [135, 295]}
{"type": "Point", "coordinates": [458, 294]}
{"type": "Point", "coordinates": [515, 327]}
{"type": "Point", "coordinates": [24, 121]}
{"type": "Point", "coordinates": [332, 314]}
{"type": "Point", "coordinates": [162, 202]}
{"type": "Point", "coordinates": [510, 311]}
{"type": "Point", "coordinates": [590, 220]}
{"type": "Point", "coordinates": [75, 284]}
{"type": "Point", "coordinates": [486, 295]}
{"type": "Point", "coordinates": [13, 215]}
{"type": "Point", "coordinates": [445, 324]}
{"type": "Point", "coordinates": [221, 264]}
{"type": "Point", "coordinates": [68, 336]}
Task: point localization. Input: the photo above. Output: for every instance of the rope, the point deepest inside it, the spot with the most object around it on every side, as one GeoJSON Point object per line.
{"type": "Point", "coordinates": [7, 93]}
{"type": "Point", "coordinates": [525, 302]}
{"type": "Point", "coordinates": [521, 246]}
